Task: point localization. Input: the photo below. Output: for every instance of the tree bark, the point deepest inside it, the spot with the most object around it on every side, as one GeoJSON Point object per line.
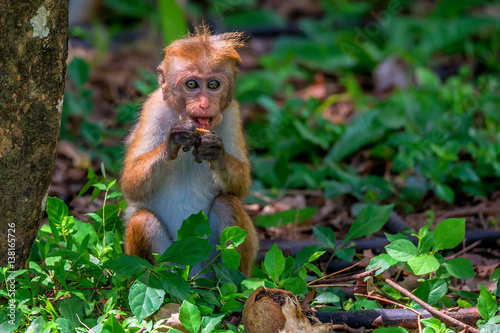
{"type": "Point", "coordinates": [33, 56]}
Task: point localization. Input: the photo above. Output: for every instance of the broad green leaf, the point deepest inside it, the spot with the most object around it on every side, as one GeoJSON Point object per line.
{"type": "Point", "coordinates": [486, 303]}
{"type": "Point", "coordinates": [112, 326]}
{"type": "Point", "coordinates": [382, 262]}
{"type": "Point", "coordinates": [234, 234]}
{"type": "Point", "coordinates": [423, 264]}
{"type": "Point", "coordinates": [285, 217]}
{"type": "Point", "coordinates": [65, 326]}
{"type": "Point", "coordinates": [145, 298]}
{"type": "Point", "coordinates": [190, 317]}
{"type": "Point", "coordinates": [36, 326]}
{"type": "Point", "coordinates": [427, 78]}
{"type": "Point", "coordinates": [232, 306]}
{"type": "Point", "coordinates": [172, 19]}
{"type": "Point", "coordinates": [188, 251]}
{"type": "Point", "coordinates": [326, 297]}
{"type": "Point", "coordinates": [209, 323]}
{"type": "Point", "coordinates": [9, 322]}
{"type": "Point", "coordinates": [83, 230]}
{"type": "Point", "coordinates": [325, 235]}
{"type": "Point", "coordinates": [461, 268]}
{"type": "Point", "coordinates": [392, 329]}
{"type": "Point", "coordinates": [79, 72]}
{"type": "Point", "coordinates": [432, 291]}
{"type": "Point", "coordinates": [448, 234]}
{"type": "Point", "coordinates": [174, 284]}
{"type": "Point", "coordinates": [370, 219]}
{"type": "Point", "coordinates": [274, 263]}
{"type": "Point", "coordinates": [295, 285]}
{"type": "Point", "coordinates": [308, 254]}
{"type": "Point", "coordinates": [495, 276]}
{"type": "Point", "coordinates": [402, 250]}
{"type": "Point", "coordinates": [196, 226]}
{"type": "Point", "coordinates": [345, 254]}
{"type": "Point", "coordinates": [226, 275]}
{"type": "Point", "coordinates": [444, 192]}
{"type": "Point", "coordinates": [71, 308]}
{"type": "Point", "coordinates": [127, 265]}
{"type": "Point", "coordinates": [231, 258]}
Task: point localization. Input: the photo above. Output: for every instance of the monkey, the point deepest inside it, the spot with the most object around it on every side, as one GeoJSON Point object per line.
{"type": "Point", "coordinates": [187, 152]}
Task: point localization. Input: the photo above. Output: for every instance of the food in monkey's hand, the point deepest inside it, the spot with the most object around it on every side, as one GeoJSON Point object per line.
{"type": "Point", "coordinates": [202, 130]}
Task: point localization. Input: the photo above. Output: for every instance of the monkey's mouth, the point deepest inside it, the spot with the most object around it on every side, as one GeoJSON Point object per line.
{"type": "Point", "coordinates": [203, 122]}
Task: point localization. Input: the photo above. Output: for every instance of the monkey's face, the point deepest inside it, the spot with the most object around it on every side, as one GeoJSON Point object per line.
{"type": "Point", "coordinates": [200, 92]}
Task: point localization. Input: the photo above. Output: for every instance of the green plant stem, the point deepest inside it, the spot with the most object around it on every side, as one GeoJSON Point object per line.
{"type": "Point", "coordinates": [206, 266]}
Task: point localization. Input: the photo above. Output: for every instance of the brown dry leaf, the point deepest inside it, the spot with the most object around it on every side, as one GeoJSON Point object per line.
{"type": "Point", "coordinates": [170, 311]}
{"type": "Point", "coordinates": [339, 112]}
{"type": "Point", "coordinates": [78, 158]}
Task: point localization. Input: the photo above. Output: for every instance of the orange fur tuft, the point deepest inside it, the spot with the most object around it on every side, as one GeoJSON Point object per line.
{"type": "Point", "coordinates": [201, 43]}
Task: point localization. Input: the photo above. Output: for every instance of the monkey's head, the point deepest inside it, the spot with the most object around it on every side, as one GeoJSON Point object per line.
{"type": "Point", "coordinates": [197, 75]}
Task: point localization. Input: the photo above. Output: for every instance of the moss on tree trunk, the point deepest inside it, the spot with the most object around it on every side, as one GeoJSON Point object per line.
{"type": "Point", "coordinates": [33, 61]}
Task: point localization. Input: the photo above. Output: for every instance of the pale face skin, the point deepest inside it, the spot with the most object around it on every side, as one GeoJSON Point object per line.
{"type": "Point", "coordinates": [200, 92]}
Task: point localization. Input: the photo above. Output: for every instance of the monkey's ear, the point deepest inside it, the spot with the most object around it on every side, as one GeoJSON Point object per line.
{"type": "Point", "coordinates": [162, 73]}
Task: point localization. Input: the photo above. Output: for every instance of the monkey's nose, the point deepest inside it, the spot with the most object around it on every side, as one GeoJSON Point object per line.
{"type": "Point", "coordinates": [204, 103]}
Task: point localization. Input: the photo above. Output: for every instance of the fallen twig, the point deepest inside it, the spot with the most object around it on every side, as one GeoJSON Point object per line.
{"type": "Point", "coordinates": [448, 319]}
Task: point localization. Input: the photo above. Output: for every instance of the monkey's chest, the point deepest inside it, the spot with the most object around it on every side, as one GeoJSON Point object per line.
{"type": "Point", "coordinates": [187, 188]}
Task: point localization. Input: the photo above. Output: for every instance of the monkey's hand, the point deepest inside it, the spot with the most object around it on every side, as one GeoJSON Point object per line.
{"type": "Point", "coordinates": [183, 134]}
{"type": "Point", "coordinates": [209, 147]}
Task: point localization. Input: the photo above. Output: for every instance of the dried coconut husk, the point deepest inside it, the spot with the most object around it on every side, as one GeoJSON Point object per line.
{"type": "Point", "coordinates": [275, 310]}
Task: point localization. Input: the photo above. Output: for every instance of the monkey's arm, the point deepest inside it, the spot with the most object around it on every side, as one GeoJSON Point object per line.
{"type": "Point", "coordinates": [153, 144]}
{"type": "Point", "coordinates": [231, 173]}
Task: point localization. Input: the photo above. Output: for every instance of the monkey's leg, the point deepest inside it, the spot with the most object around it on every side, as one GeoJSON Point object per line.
{"type": "Point", "coordinates": [229, 212]}
{"type": "Point", "coordinates": [144, 230]}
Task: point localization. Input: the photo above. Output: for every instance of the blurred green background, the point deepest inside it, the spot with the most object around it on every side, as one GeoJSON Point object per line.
{"type": "Point", "coordinates": [371, 101]}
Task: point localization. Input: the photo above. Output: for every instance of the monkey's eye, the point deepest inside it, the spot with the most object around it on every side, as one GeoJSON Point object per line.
{"type": "Point", "coordinates": [213, 84]}
{"type": "Point", "coordinates": [191, 84]}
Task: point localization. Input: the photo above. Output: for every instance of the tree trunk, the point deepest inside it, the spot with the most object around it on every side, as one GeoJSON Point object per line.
{"type": "Point", "coordinates": [33, 56]}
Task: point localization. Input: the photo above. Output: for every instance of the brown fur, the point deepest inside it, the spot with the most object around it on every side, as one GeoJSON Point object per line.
{"type": "Point", "coordinates": [161, 182]}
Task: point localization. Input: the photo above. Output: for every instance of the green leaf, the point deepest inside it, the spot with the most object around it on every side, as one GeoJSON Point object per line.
{"type": "Point", "coordinates": [325, 235]}
{"type": "Point", "coordinates": [209, 323]}
{"type": "Point", "coordinates": [327, 297]}
{"type": "Point", "coordinates": [274, 263]}
{"type": "Point", "coordinates": [486, 304]}
{"type": "Point", "coordinates": [234, 234]}
{"type": "Point", "coordinates": [190, 317]}
{"type": "Point", "coordinates": [444, 192]}
{"type": "Point", "coordinates": [56, 210]}
{"type": "Point", "coordinates": [345, 254]}
{"type": "Point", "coordinates": [285, 217]}
{"type": "Point", "coordinates": [145, 298]}
{"type": "Point", "coordinates": [382, 262]}
{"type": "Point", "coordinates": [432, 291]}
{"type": "Point", "coordinates": [307, 254]}
{"type": "Point", "coordinates": [188, 251]}
{"type": "Point", "coordinates": [295, 285]}
{"type": "Point", "coordinates": [78, 72]}
{"type": "Point", "coordinates": [370, 219]}
{"type": "Point", "coordinates": [36, 326]}
{"type": "Point", "coordinates": [427, 78]}
{"type": "Point", "coordinates": [9, 322]}
{"type": "Point", "coordinates": [174, 284]}
{"type": "Point", "coordinates": [402, 250]}
{"type": "Point", "coordinates": [308, 134]}
{"type": "Point", "coordinates": [231, 258]}
{"type": "Point", "coordinates": [226, 275]}
{"type": "Point", "coordinates": [392, 329]}
{"type": "Point", "coordinates": [127, 265]}
{"type": "Point", "coordinates": [461, 268]}
{"type": "Point", "coordinates": [423, 264]}
{"type": "Point", "coordinates": [172, 19]}
{"type": "Point", "coordinates": [448, 234]}
{"type": "Point", "coordinates": [112, 326]}
{"type": "Point", "coordinates": [196, 226]}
